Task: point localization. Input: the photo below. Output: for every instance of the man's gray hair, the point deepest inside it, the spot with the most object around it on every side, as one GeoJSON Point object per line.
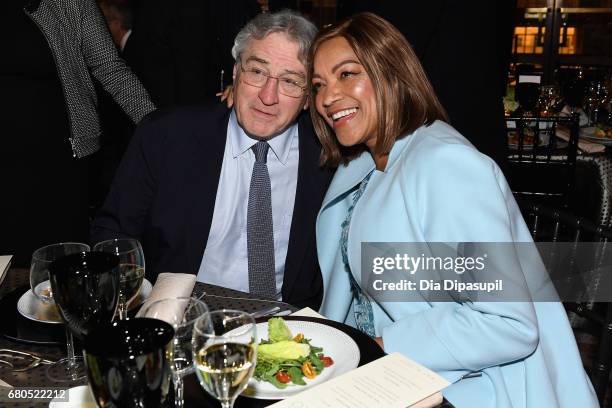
{"type": "Point", "coordinates": [297, 27]}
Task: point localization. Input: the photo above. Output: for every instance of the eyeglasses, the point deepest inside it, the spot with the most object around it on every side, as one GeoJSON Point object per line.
{"type": "Point", "coordinates": [288, 84]}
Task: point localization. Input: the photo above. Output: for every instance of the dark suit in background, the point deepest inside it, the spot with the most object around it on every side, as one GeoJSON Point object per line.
{"type": "Point", "coordinates": [465, 48]}
{"type": "Point", "coordinates": [165, 189]}
{"type": "Point", "coordinates": [178, 48]}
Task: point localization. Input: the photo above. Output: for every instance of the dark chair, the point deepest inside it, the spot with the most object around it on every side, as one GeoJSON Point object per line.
{"type": "Point", "coordinates": [541, 166]}
{"type": "Point", "coordinates": [551, 225]}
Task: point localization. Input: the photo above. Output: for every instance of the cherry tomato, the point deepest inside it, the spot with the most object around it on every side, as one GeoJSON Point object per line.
{"type": "Point", "coordinates": [326, 360]}
{"type": "Point", "coordinates": [283, 377]}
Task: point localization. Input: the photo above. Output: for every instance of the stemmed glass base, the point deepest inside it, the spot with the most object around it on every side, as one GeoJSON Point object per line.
{"type": "Point", "coordinates": [67, 370]}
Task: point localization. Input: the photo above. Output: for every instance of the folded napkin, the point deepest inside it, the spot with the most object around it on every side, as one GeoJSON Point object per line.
{"type": "Point", "coordinates": [5, 263]}
{"type": "Point", "coordinates": [168, 285]}
{"type": "Point", "coordinates": [584, 145]}
{"type": "Point", "coordinates": [584, 119]}
{"type": "Point", "coordinates": [308, 312]}
{"type": "Point", "coordinates": [4, 384]}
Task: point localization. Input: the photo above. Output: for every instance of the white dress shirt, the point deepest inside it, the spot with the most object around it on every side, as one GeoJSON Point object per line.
{"type": "Point", "coordinates": [225, 261]}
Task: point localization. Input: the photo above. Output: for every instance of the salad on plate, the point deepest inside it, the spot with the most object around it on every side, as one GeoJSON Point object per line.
{"type": "Point", "coordinates": [284, 359]}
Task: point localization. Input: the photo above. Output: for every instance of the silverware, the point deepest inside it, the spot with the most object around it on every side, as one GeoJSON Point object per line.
{"type": "Point", "coordinates": [35, 363]}
{"type": "Point", "coordinates": [265, 312]}
{"type": "Point", "coordinates": [17, 354]}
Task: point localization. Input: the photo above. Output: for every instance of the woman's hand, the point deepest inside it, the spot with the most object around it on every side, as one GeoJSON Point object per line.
{"type": "Point", "coordinates": [227, 95]}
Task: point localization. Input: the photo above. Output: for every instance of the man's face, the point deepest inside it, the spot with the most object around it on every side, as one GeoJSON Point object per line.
{"type": "Point", "coordinates": [265, 112]}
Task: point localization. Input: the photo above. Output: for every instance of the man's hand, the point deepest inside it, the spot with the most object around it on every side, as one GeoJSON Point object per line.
{"type": "Point", "coordinates": [227, 95]}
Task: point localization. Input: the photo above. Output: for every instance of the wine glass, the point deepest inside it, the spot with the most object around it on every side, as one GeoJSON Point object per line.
{"type": "Point", "coordinates": [71, 368]}
{"type": "Point", "coordinates": [225, 352]}
{"type": "Point", "coordinates": [132, 268]}
{"type": "Point", "coordinates": [549, 98]}
{"type": "Point", "coordinates": [574, 93]}
{"type": "Point", "coordinates": [527, 94]}
{"type": "Point", "coordinates": [181, 313]}
{"type": "Point", "coordinates": [595, 101]}
{"type": "Point", "coordinates": [85, 287]}
{"type": "Point", "coordinates": [128, 363]}
{"type": "Point", "coordinates": [39, 267]}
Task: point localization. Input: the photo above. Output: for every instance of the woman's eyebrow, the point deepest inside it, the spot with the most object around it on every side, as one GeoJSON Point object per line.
{"type": "Point", "coordinates": [348, 61]}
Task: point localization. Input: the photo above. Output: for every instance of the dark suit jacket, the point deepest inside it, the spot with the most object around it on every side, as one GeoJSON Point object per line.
{"type": "Point", "coordinates": [165, 189]}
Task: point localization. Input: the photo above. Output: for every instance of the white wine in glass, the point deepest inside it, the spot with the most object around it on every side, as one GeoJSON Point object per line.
{"type": "Point", "coordinates": [225, 353]}
{"type": "Point", "coordinates": [131, 267]}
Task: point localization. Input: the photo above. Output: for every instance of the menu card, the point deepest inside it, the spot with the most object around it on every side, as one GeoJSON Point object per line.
{"type": "Point", "coordinates": [393, 381]}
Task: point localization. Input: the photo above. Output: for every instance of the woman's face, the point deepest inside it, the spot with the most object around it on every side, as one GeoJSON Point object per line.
{"type": "Point", "coordinates": [344, 95]}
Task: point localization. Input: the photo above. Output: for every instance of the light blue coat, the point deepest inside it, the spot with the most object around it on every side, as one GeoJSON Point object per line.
{"type": "Point", "coordinates": [438, 188]}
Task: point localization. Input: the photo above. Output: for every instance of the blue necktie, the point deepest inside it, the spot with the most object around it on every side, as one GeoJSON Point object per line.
{"type": "Point", "coordinates": [260, 234]}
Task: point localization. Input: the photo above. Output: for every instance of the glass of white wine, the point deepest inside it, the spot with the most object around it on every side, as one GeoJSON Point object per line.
{"type": "Point", "coordinates": [225, 353]}
{"type": "Point", "coordinates": [131, 268]}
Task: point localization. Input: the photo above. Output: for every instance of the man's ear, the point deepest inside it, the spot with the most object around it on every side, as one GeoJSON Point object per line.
{"type": "Point", "coordinates": [234, 72]}
{"type": "Point", "coordinates": [306, 101]}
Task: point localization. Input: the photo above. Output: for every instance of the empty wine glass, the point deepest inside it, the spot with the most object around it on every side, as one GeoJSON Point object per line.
{"type": "Point", "coordinates": [549, 98]}
{"type": "Point", "coordinates": [131, 265]}
{"type": "Point", "coordinates": [595, 101]}
{"type": "Point", "coordinates": [39, 267]}
{"type": "Point", "coordinates": [71, 368]}
{"type": "Point", "coordinates": [225, 352]}
{"type": "Point", "coordinates": [181, 313]}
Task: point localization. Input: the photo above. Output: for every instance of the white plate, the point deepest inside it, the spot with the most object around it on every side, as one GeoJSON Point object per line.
{"type": "Point", "coordinates": [588, 133]}
{"type": "Point", "coordinates": [78, 397]}
{"type": "Point", "coordinates": [30, 307]}
{"type": "Point", "coordinates": [335, 343]}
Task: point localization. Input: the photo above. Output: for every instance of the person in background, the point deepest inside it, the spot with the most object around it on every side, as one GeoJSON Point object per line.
{"type": "Point", "coordinates": [118, 15]}
{"type": "Point", "coordinates": [50, 125]}
{"type": "Point", "coordinates": [117, 127]}
{"type": "Point", "coordinates": [405, 175]}
{"type": "Point", "coordinates": [231, 195]}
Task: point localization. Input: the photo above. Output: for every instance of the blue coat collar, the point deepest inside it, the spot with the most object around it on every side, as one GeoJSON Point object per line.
{"type": "Point", "coordinates": [347, 177]}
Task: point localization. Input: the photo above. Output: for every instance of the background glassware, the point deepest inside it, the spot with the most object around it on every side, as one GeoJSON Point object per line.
{"type": "Point", "coordinates": [132, 268]}
{"type": "Point", "coordinates": [573, 93]}
{"type": "Point", "coordinates": [85, 289]}
{"type": "Point", "coordinates": [527, 95]}
{"type": "Point", "coordinates": [71, 368]}
{"type": "Point", "coordinates": [595, 102]}
{"type": "Point", "coordinates": [181, 313]}
{"type": "Point", "coordinates": [225, 353]}
{"type": "Point", "coordinates": [549, 99]}
{"type": "Point", "coordinates": [128, 363]}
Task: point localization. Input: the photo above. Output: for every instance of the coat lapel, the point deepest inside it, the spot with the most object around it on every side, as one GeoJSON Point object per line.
{"type": "Point", "coordinates": [207, 163]}
{"type": "Point", "coordinates": [311, 185]}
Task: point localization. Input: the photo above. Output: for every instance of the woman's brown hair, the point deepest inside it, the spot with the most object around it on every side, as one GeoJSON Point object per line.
{"type": "Point", "coordinates": [405, 99]}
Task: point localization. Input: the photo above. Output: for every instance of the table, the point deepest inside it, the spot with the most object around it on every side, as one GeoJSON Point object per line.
{"type": "Point", "coordinates": [216, 298]}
